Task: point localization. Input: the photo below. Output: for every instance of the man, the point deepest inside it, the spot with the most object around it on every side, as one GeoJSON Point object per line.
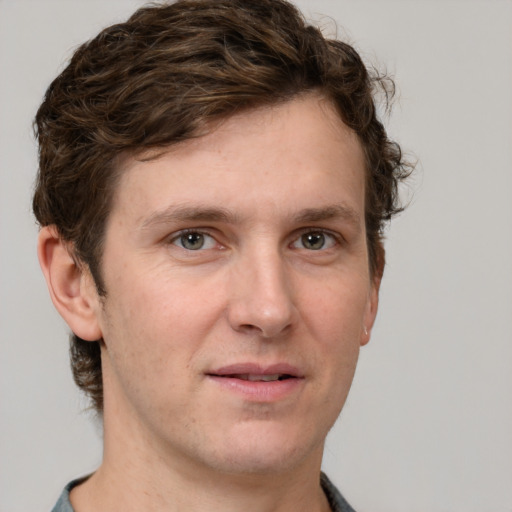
{"type": "Point", "coordinates": [212, 190]}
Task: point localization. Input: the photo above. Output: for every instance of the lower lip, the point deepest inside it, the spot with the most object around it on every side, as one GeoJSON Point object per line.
{"type": "Point", "coordinates": [259, 391]}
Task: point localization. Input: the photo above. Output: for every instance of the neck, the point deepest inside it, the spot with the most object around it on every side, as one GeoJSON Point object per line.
{"type": "Point", "coordinates": [135, 476]}
{"type": "Point", "coordinates": [127, 488]}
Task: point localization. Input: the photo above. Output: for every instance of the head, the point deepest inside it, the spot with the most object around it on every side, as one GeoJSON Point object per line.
{"type": "Point", "coordinates": [168, 75]}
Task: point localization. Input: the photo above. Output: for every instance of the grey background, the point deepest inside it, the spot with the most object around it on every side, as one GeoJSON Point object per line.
{"type": "Point", "coordinates": [428, 424]}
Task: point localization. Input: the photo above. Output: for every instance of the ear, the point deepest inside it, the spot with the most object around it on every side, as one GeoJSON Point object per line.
{"type": "Point", "coordinates": [371, 310]}
{"type": "Point", "coordinates": [373, 297]}
{"type": "Point", "coordinates": [71, 286]}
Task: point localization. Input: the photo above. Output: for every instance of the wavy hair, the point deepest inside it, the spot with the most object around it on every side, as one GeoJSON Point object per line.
{"type": "Point", "coordinates": [159, 79]}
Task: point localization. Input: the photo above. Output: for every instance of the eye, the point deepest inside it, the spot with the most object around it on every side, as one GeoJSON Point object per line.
{"type": "Point", "coordinates": [315, 241]}
{"type": "Point", "coordinates": [194, 241]}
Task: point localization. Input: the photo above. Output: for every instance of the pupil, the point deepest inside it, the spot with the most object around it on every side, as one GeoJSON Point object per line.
{"type": "Point", "coordinates": [313, 241]}
{"type": "Point", "coordinates": [192, 241]}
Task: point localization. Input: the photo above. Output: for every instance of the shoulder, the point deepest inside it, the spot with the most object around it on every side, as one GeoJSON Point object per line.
{"type": "Point", "coordinates": [63, 504]}
{"type": "Point", "coordinates": [337, 502]}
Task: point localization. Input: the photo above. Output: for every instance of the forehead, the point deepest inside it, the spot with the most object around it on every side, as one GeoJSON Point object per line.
{"type": "Point", "coordinates": [295, 119]}
{"type": "Point", "coordinates": [294, 152]}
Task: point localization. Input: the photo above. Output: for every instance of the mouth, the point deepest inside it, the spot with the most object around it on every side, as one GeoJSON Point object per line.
{"type": "Point", "coordinates": [259, 378]}
{"type": "Point", "coordinates": [256, 372]}
{"type": "Point", "coordinates": [258, 383]}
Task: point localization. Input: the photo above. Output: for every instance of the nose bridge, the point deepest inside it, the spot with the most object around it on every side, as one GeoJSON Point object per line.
{"type": "Point", "coordinates": [262, 299]}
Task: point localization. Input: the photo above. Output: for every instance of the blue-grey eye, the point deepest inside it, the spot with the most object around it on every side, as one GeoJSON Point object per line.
{"type": "Point", "coordinates": [194, 241]}
{"type": "Point", "coordinates": [315, 241]}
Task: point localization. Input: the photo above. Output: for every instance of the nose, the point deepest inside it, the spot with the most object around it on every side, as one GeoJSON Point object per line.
{"type": "Point", "coordinates": [261, 299]}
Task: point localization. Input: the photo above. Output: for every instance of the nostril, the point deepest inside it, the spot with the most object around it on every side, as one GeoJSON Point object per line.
{"type": "Point", "coordinates": [249, 327]}
{"type": "Point", "coordinates": [254, 314]}
{"type": "Point", "coordinates": [266, 331]}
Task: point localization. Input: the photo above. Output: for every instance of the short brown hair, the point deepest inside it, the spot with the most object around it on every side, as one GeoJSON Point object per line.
{"type": "Point", "coordinates": [158, 79]}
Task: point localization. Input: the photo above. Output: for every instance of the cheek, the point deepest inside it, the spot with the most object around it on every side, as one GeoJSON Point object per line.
{"type": "Point", "coordinates": [335, 312]}
{"type": "Point", "coordinates": [334, 317]}
{"type": "Point", "coordinates": [161, 310]}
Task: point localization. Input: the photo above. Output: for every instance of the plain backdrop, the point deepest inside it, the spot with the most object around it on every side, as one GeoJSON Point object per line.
{"type": "Point", "coordinates": [428, 424]}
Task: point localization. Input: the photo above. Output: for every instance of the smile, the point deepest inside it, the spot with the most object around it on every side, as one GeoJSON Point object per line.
{"type": "Point", "coordinates": [264, 378]}
{"type": "Point", "coordinates": [256, 383]}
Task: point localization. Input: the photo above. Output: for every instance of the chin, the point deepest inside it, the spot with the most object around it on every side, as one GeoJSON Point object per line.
{"type": "Point", "coordinates": [260, 451]}
{"type": "Point", "coordinates": [258, 464]}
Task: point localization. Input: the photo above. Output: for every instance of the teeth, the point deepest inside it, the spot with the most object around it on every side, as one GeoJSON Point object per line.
{"type": "Point", "coordinates": [255, 378]}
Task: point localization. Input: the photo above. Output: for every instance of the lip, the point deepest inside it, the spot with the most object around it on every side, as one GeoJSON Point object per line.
{"type": "Point", "coordinates": [229, 379]}
{"type": "Point", "coordinates": [257, 369]}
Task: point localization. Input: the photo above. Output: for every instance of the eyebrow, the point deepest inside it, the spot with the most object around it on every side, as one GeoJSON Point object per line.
{"type": "Point", "coordinates": [338, 211]}
{"type": "Point", "coordinates": [187, 213]}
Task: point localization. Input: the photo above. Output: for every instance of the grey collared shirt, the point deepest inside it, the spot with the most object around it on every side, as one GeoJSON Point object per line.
{"type": "Point", "coordinates": [336, 501]}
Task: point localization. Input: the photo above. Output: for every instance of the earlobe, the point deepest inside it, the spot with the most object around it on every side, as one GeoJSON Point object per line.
{"type": "Point", "coordinates": [71, 288]}
{"type": "Point", "coordinates": [371, 311]}
{"type": "Point", "coordinates": [373, 296]}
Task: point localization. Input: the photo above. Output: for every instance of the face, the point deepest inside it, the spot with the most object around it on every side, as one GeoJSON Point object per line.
{"type": "Point", "coordinates": [238, 291]}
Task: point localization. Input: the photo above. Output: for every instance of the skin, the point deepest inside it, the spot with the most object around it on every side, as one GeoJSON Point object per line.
{"type": "Point", "coordinates": [276, 197]}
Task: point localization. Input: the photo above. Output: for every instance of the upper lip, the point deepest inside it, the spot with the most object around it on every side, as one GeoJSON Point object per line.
{"type": "Point", "coordinates": [257, 369]}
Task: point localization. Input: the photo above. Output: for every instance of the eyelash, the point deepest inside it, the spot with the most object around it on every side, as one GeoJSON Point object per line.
{"type": "Point", "coordinates": [180, 234]}
{"type": "Point", "coordinates": [336, 238]}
